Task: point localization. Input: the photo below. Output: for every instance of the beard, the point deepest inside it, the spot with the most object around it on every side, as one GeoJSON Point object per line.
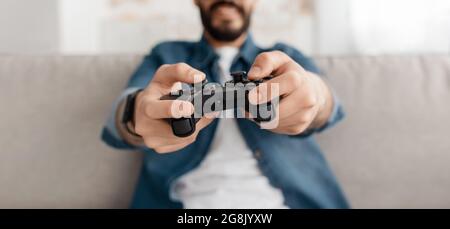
{"type": "Point", "coordinates": [223, 33]}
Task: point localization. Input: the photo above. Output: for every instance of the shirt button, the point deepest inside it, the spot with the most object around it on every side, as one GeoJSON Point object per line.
{"type": "Point", "coordinates": [257, 154]}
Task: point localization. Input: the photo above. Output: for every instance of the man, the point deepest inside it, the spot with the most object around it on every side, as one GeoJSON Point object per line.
{"type": "Point", "coordinates": [227, 162]}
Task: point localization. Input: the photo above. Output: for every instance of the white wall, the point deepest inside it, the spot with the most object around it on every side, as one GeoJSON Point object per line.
{"type": "Point", "coordinates": [401, 26]}
{"type": "Point", "coordinates": [135, 26]}
{"type": "Point", "coordinates": [80, 25]}
{"type": "Point", "coordinates": [374, 27]}
{"type": "Point", "coordinates": [333, 32]}
{"type": "Point", "coordinates": [289, 21]}
{"type": "Point", "coordinates": [29, 26]}
{"type": "Point", "coordinates": [330, 27]}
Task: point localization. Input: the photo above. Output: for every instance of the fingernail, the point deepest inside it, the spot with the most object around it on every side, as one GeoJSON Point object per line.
{"type": "Point", "coordinates": [198, 78]}
{"type": "Point", "coordinates": [186, 109]}
{"type": "Point", "coordinates": [253, 96]}
{"type": "Point", "coordinates": [254, 71]}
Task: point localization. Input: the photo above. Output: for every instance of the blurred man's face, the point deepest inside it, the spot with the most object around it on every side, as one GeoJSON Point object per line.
{"type": "Point", "coordinates": [226, 20]}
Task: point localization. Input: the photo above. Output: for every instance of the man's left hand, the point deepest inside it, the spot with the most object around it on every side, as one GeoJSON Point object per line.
{"type": "Point", "coordinates": [305, 100]}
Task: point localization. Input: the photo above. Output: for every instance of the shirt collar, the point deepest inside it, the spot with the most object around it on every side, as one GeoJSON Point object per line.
{"type": "Point", "coordinates": [249, 50]}
{"type": "Point", "coordinates": [204, 53]}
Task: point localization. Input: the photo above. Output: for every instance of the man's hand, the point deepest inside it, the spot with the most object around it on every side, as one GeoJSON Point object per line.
{"type": "Point", "coordinates": [305, 100]}
{"type": "Point", "coordinates": [151, 112]}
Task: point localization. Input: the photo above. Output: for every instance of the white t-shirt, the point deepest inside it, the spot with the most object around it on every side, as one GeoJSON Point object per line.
{"type": "Point", "coordinates": [229, 176]}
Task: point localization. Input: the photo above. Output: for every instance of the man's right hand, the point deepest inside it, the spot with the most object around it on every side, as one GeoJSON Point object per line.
{"type": "Point", "coordinates": [151, 112]}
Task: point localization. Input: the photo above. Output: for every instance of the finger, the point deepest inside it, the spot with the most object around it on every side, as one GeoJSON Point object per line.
{"type": "Point", "coordinates": [176, 87]}
{"type": "Point", "coordinates": [185, 141]}
{"type": "Point", "coordinates": [284, 84]}
{"type": "Point", "coordinates": [303, 117]}
{"type": "Point", "coordinates": [204, 122]}
{"type": "Point", "coordinates": [159, 109]}
{"type": "Point", "coordinates": [296, 124]}
{"type": "Point", "coordinates": [169, 74]}
{"type": "Point", "coordinates": [320, 87]}
{"type": "Point", "coordinates": [157, 128]}
{"type": "Point", "coordinates": [266, 63]}
{"type": "Point", "coordinates": [308, 95]}
{"type": "Point", "coordinates": [291, 130]}
{"type": "Point", "coordinates": [294, 103]}
{"type": "Point", "coordinates": [157, 141]}
{"type": "Point", "coordinates": [171, 148]}
{"type": "Point", "coordinates": [288, 106]}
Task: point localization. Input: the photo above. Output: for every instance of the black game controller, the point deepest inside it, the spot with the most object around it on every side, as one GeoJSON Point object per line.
{"type": "Point", "coordinates": [232, 95]}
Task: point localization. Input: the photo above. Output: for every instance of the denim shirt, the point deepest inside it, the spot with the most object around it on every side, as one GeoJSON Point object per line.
{"type": "Point", "coordinates": [294, 164]}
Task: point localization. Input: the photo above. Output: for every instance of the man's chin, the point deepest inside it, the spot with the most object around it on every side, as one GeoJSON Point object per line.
{"type": "Point", "coordinates": [227, 25]}
{"type": "Point", "coordinates": [227, 36]}
{"type": "Point", "coordinates": [225, 31]}
{"type": "Point", "coordinates": [229, 32]}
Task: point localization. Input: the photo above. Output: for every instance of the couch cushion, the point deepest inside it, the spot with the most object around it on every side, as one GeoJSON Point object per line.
{"type": "Point", "coordinates": [392, 150]}
{"type": "Point", "coordinates": [52, 115]}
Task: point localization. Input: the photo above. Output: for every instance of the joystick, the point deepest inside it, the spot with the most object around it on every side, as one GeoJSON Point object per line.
{"type": "Point", "coordinates": [233, 94]}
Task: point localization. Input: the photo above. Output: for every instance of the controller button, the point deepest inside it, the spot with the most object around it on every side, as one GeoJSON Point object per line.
{"type": "Point", "coordinates": [183, 127]}
{"type": "Point", "coordinates": [176, 93]}
{"type": "Point", "coordinates": [239, 76]}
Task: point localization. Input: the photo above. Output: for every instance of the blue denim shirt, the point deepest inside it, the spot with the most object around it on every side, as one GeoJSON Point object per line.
{"type": "Point", "coordinates": [294, 164]}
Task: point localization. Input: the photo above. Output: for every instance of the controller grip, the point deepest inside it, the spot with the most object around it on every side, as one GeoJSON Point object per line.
{"type": "Point", "coordinates": [183, 127]}
{"type": "Point", "coordinates": [269, 112]}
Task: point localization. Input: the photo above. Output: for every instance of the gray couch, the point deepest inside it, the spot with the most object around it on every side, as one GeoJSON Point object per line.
{"type": "Point", "coordinates": [392, 150]}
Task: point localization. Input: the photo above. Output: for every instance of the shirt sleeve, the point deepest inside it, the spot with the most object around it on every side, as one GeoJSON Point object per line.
{"type": "Point", "coordinates": [308, 64]}
{"type": "Point", "coordinates": [139, 80]}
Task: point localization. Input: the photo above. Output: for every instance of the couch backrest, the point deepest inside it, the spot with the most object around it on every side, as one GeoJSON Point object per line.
{"type": "Point", "coordinates": [393, 149]}
{"type": "Point", "coordinates": [53, 109]}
